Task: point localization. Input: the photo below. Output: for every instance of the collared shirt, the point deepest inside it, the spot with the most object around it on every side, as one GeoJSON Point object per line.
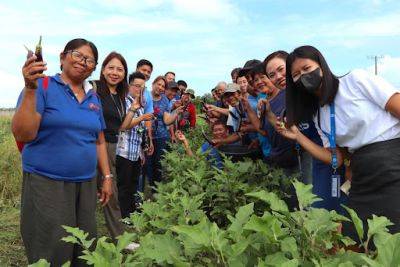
{"type": "Point", "coordinates": [65, 145]}
{"type": "Point", "coordinates": [159, 127]}
{"type": "Point", "coordinates": [129, 144]}
{"type": "Point", "coordinates": [148, 101]}
{"type": "Point", "coordinates": [360, 114]}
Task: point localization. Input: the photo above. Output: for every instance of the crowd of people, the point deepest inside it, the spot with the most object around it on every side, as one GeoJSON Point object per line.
{"type": "Point", "coordinates": [108, 136]}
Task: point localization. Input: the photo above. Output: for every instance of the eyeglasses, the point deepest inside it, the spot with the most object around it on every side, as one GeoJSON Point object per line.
{"type": "Point", "coordinates": [78, 56]}
{"type": "Point", "coordinates": [138, 86]}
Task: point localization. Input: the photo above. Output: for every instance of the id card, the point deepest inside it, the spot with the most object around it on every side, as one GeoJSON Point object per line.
{"type": "Point", "coordinates": [121, 140]}
{"type": "Point", "coordinates": [335, 185]}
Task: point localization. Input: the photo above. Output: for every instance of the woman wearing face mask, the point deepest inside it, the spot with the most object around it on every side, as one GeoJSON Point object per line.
{"type": "Point", "coordinates": [275, 66]}
{"type": "Point", "coordinates": [357, 113]}
{"type": "Point", "coordinates": [112, 89]}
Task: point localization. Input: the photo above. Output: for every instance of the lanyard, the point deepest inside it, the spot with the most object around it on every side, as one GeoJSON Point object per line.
{"type": "Point", "coordinates": [332, 137]}
{"type": "Point", "coordinates": [121, 112]}
{"type": "Point", "coordinates": [335, 188]}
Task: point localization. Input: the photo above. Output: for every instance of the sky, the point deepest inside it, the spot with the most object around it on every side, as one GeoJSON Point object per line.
{"type": "Point", "coordinates": [201, 41]}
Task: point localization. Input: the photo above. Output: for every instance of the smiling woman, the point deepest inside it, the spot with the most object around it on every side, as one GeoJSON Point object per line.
{"type": "Point", "coordinates": [60, 120]}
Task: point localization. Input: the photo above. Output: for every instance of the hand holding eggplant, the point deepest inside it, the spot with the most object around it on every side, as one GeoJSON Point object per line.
{"type": "Point", "coordinates": [34, 66]}
{"type": "Point", "coordinates": [32, 71]}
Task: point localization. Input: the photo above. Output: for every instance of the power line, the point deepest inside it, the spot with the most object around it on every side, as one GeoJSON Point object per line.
{"type": "Point", "coordinates": [375, 58]}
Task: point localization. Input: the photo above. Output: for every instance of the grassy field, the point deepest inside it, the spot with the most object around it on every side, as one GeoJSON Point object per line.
{"type": "Point", "coordinates": [12, 251]}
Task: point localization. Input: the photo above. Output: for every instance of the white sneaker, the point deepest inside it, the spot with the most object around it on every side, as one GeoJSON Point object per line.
{"type": "Point", "coordinates": [132, 246]}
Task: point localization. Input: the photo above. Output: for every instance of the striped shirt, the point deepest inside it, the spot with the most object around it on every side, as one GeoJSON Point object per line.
{"type": "Point", "coordinates": [130, 141]}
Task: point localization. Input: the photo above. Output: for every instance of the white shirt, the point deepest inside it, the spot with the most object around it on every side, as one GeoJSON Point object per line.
{"type": "Point", "coordinates": [360, 114]}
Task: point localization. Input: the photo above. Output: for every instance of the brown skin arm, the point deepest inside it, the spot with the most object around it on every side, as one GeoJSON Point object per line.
{"type": "Point", "coordinates": [228, 140]}
{"type": "Point", "coordinates": [393, 105]}
{"type": "Point", "coordinates": [26, 121]}
{"type": "Point", "coordinates": [102, 160]}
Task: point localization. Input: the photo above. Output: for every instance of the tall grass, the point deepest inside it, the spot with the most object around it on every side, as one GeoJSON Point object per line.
{"type": "Point", "coordinates": [10, 165]}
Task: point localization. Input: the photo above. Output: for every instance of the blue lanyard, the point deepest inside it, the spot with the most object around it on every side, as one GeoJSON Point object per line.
{"type": "Point", "coordinates": [332, 137]}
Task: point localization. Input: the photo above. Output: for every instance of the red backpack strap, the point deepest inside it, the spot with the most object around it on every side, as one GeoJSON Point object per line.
{"type": "Point", "coordinates": [45, 86]}
{"type": "Point", "coordinates": [45, 83]}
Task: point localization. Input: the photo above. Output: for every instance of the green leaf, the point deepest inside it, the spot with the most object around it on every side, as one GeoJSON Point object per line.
{"type": "Point", "coordinates": [241, 217]}
{"type": "Point", "coordinates": [389, 251]}
{"type": "Point", "coordinates": [268, 225]}
{"type": "Point", "coordinates": [289, 244]}
{"type": "Point", "coordinates": [70, 239]}
{"type": "Point", "coordinates": [67, 264]}
{"type": "Point", "coordinates": [377, 225]}
{"type": "Point", "coordinates": [271, 198]}
{"type": "Point", "coordinates": [304, 194]}
{"type": "Point", "coordinates": [358, 224]}
{"type": "Point", "coordinates": [199, 233]}
{"type": "Point", "coordinates": [40, 263]}
{"type": "Point", "coordinates": [124, 240]}
{"type": "Point", "coordinates": [279, 259]}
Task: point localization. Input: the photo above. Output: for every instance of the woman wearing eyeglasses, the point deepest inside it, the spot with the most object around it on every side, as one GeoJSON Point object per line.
{"type": "Point", "coordinates": [59, 118]}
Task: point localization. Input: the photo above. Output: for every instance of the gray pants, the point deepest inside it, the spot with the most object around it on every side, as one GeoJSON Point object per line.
{"type": "Point", "coordinates": [46, 205]}
{"type": "Point", "coordinates": [112, 211]}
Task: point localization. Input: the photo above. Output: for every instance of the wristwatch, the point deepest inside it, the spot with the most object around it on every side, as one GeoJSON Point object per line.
{"type": "Point", "coordinates": [109, 176]}
{"type": "Point", "coordinates": [132, 110]}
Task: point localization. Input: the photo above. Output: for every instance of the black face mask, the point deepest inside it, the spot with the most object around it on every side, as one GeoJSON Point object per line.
{"type": "Point", "coordinates": [309, 82]}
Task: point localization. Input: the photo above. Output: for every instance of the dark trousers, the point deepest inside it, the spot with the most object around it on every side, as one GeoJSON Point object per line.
{"type": "Point", "coordinates": [46, 205]}
{"type": "Point", "coordinates": [153, 162]}
{"type": "Point", "coordinates": [112, 211]}
{"type": "Point", "coordinates": [127, 178]}
{"type": "Point", "coordinates": [375, 185]}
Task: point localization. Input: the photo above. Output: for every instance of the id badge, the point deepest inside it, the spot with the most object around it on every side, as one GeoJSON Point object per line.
{"type": "Point", "coordinates": [335, 185]}
{"type": "Point", "coordinates": [121, 140]}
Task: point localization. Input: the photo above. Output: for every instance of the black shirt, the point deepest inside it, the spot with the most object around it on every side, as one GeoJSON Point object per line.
{"type": "Point", "coordinates": [113, 113]}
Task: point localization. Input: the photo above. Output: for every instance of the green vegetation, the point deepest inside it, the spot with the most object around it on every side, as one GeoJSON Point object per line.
{"type": "Point", "coordinates": [202, 216]}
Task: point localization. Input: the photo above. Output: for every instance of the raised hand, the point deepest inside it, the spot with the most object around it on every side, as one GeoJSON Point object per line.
{"type": "Point", "coordinates": [147, 117]}
{"type": "Point", "coordinates": [291, 133]}
{"type": "Point", "coordinates": [32, 71]}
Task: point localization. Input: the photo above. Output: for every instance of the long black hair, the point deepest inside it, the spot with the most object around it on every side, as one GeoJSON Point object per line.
{"type": "Point", "coordinates": [302, 106]}
{"type": "Point", "coordinates": [122, 87]}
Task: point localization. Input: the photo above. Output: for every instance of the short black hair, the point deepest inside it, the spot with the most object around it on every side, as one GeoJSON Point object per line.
{"type": "Point", "coordinates": [219, 122]}
{"type": "Point", "coordinates": [173, 73]}
{"type": "Point", "coordinates": [258, 69]}
{"type": "Point", "coordinates": [235, 71]}
{"type": "Point", "coordinates": [302, 106]}
{"type": "Point", "coordinates": [144, 62]}
{"type": "Point", "coordinates": [136, 75]}
{"type": "Point", "coordinates": [79, 42]}
{"type": "Point", "coordinates": [182, 82]}
{"type": "Point", "coordinates": [279, 54]}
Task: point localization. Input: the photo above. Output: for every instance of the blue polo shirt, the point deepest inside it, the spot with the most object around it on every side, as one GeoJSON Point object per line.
{"type": "Point", "coordinates": [148, 101]}
{"type": "Point", "coordinates": [65, 146]}
{"type": "Point", "coordinates": [213, 155]}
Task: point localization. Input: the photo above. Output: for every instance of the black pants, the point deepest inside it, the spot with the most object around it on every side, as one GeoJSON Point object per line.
{"type": "Point", "coordinates": [153, 163]}
{"type": "Point", "coordinates": [375, 185]}
{"type": "Point", "coordinates": [46, 205]}
{"type": "Point", "coordinates": [127, 179]}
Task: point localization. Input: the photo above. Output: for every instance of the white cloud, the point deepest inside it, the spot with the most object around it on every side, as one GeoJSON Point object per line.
{"type": "Point", "coordinates": [10, 88]}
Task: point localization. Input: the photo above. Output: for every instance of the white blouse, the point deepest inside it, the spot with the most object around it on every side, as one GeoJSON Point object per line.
{"type": "Point", "coordinates": [360, 114]}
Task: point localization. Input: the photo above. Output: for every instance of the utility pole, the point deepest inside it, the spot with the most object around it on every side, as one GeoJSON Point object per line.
{"type": "Point", "coordinates": [375, 58]}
